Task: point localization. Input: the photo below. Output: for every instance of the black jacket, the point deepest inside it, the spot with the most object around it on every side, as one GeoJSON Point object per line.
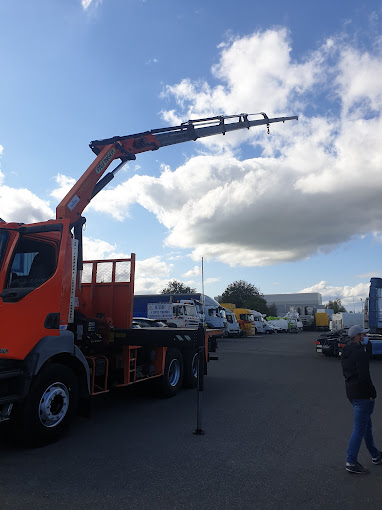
{"type": "Point", "coordinates": [355, 368]}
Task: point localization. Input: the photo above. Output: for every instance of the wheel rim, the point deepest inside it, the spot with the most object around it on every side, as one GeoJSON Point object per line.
{"type": "Point", "coordinates": [54, 405]}
{"type": "Point", "coordinates": [174, 372]}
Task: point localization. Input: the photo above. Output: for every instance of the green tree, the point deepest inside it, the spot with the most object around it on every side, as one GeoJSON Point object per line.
{"type": "Point", "coordinates": [335, 305]}
{"type": "Point", "coordinates": [175, 287]}
{"type": "Point", "coordinates": [272, 310]}
{"type": "Point", "coordinates": [245, 295]}
{"type": "Point", "coordinates": [257, 303]}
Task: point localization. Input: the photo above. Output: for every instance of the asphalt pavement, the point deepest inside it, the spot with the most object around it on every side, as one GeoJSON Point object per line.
{"type": "Point", "coordinates": [276, 423]}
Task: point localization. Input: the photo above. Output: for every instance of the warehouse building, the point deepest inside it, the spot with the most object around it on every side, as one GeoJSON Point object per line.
{"type": "Point", "coordinates": [298, 302]}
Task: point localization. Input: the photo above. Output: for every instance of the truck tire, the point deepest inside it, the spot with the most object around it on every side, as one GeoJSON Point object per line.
{"type": "Point", "coordinates": [172, 379]}
{"type": "Point", "coordinates": [48, 409]}
{"type": "Point", "coordinates": [190, 365]}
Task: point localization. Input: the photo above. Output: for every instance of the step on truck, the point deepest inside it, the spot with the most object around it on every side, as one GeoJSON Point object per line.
{"type": "Point", "coordinates": [65, 324]}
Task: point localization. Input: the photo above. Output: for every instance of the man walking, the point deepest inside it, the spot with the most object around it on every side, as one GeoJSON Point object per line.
{"type": "Point", "coordinates": [361, 393]}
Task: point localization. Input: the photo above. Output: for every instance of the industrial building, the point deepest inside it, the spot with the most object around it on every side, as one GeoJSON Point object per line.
{"type": "Point", "coordinates": [298, 302]}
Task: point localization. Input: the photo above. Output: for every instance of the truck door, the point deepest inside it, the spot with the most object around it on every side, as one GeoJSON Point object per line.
{"type": "Point", "coordinates": [31, 296]}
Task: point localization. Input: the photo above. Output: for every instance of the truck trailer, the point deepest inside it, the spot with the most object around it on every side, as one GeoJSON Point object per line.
{"type": "Point", "coordinates": [321, 321]}
{"type": "Point", "coordinates": [342, 320]}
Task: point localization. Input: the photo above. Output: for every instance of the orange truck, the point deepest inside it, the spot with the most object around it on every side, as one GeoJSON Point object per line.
{"type": "Point", "coordinates": [66, 330]}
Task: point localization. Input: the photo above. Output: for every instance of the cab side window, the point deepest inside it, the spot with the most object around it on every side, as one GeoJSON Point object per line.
{"type": "Point", "coordinates": [33, 264]}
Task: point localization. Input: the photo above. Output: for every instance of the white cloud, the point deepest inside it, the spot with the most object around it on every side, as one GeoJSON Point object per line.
{"type": "Point", "coordinates": [65, 184]}
{"type": "Point", "coordinates": [22, 206]}
{"type": "Point", "coordinates": [97, 249]}
{"type": "Point", "coordinates": [87, 3]}
{"type": "Point", "coordinates": [350, 296]}
{"type": "Point", "coordinates": [316, 184]}
{"type": "Point", "coordinates": [195, 271]}
{"type": "Point", "coordinates": [210, 281]}
{"type": "Point", "coordinates": [153, 265]}
{"type": "Point", "coordinates": [266, 210]}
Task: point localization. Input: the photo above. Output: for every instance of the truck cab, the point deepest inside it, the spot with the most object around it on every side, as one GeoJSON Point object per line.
{"type": "Point", "coordinates": [179, 314]}
{"type": "Point", "coordinates": [261, 324]}
{"type": "Point", "coordinates": [246, 321]}
{"type": "Point", "coordinates": [233, 327]}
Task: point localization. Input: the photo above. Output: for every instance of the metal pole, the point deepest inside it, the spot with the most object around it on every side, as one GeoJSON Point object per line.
{"type": "Point", "coordinates": [200, 385]}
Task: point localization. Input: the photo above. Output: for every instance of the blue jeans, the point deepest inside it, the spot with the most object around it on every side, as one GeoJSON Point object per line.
{"type": "Point", "coordinates": [363, 409]}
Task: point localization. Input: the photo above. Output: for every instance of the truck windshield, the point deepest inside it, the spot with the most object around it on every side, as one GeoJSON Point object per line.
{"type": "Point", "coordinates": [246, 317]}
{"type": "Point", "coordinates": [4, 236]}
{"type": "Point", "coordinates": [190, 310]}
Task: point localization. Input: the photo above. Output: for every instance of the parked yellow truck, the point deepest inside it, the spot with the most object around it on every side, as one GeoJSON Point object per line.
{"type": "Point", "coordinates": [322, 321]}
{"type": "Point", "coordinates": [244, 317]}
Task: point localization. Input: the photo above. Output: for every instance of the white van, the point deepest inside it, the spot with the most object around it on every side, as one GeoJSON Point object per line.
{"type": "Point", "coordinates": [232, 328]}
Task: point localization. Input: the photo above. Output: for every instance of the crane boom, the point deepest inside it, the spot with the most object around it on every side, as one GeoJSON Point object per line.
{"type": "Point", "coordinates": [125, 148]}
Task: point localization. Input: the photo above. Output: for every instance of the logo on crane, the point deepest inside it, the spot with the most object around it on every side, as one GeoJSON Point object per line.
{"type": "Point", "coordinates": [109, 156]}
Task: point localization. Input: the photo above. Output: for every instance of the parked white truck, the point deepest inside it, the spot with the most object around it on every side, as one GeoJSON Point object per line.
{"type": "Point", "coordinates": [262, 325]}
{"type": "Point", "coordinates": [281, 325]}
{"type": "Point", "coordinates": [233, 327]}
{"type": "Point", "coordinates": [208, 309]}
{"type": "Point", "coordinates": [181, 315]}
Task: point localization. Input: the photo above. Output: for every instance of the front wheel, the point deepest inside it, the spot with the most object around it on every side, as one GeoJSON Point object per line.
{"type": "Point", "coordinates": [48, 409]}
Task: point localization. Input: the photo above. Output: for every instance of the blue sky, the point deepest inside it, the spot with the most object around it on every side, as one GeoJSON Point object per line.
{"type": "Point", "coordinates": [298, 210]}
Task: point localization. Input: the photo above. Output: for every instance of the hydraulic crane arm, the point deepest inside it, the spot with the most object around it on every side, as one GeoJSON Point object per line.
{"type": "Point", "coordinates": [125, 148]}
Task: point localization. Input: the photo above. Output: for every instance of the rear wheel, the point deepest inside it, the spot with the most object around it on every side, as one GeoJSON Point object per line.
{"type": "Point", "coordinates": [48, 409]}
{"type": "Point", "coordinates": [172, 379]}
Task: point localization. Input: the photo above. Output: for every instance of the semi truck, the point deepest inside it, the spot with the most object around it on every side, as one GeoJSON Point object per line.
{"type": "Point", "coordinates": [66, 324]}
{"type": "Point", "coordinates": [332, 343]}
{"type": "Point", "coordinates": [373, 306]}
{"type": "Point", "coordinates": [210, 311]}
{"type": "Point", "coordinates": [177, 315]}
{"type": "Point", "coordinates": [246, 321]}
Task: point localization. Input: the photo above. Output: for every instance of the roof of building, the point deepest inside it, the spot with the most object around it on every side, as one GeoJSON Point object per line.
{"type": "Point", "coordinates": [301, 298]}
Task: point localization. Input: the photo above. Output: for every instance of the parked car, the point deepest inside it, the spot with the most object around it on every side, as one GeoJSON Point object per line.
{"type": "Point", "coordinates": [144, 322]}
